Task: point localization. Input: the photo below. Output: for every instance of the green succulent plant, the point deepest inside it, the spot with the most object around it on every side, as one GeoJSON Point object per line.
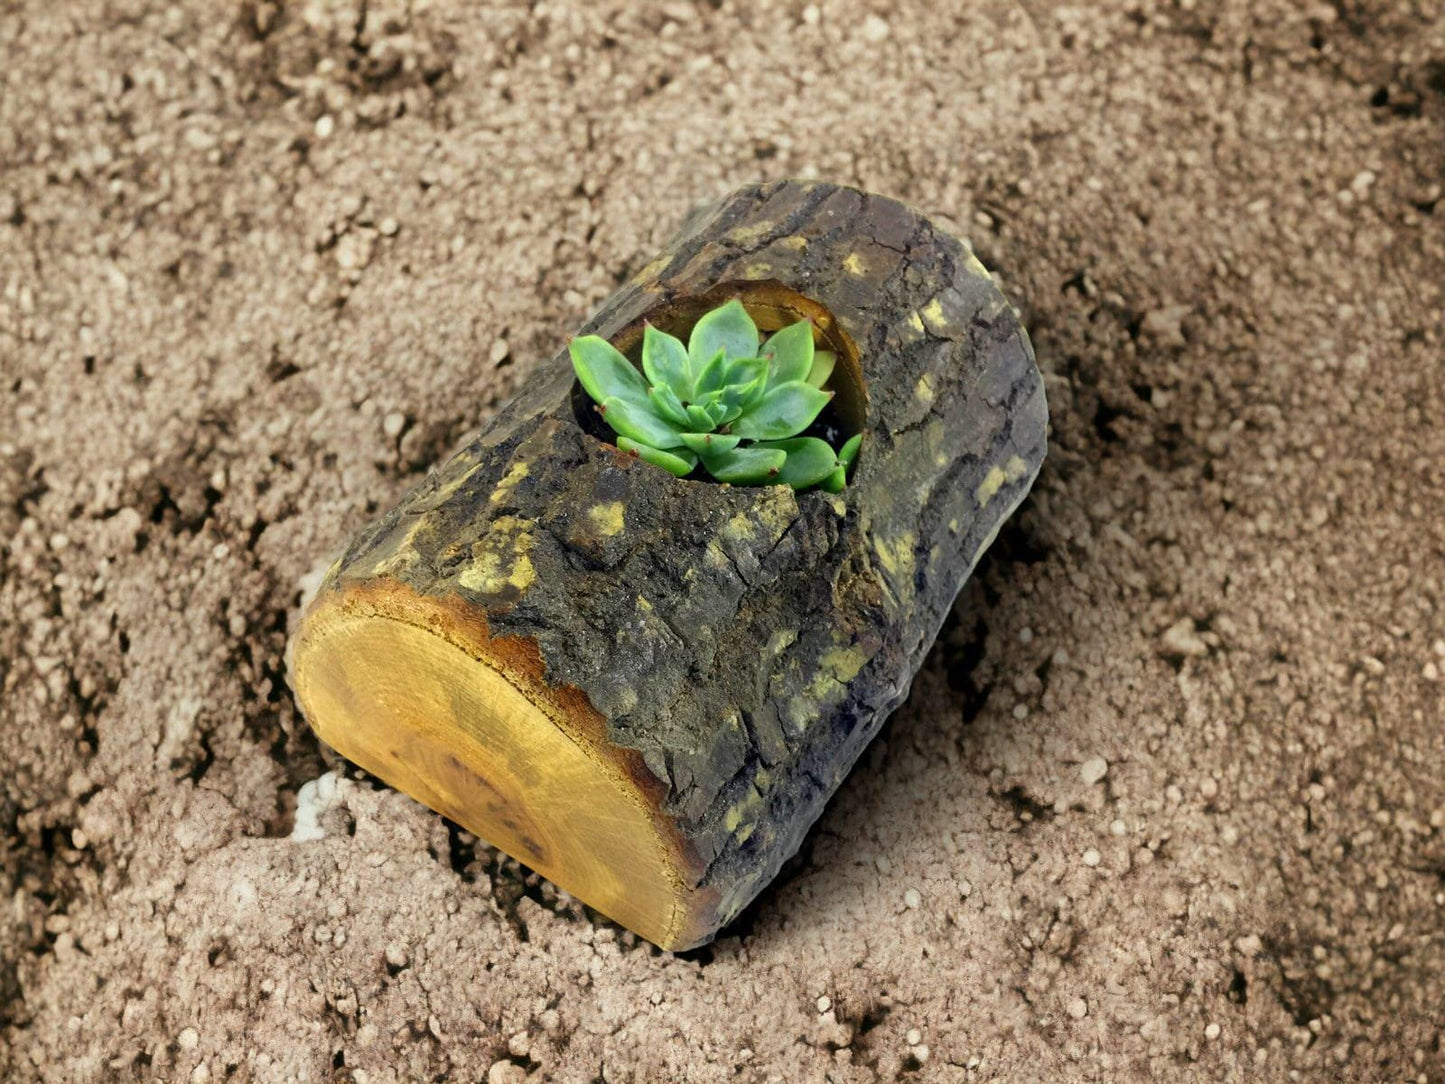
{"type": "Point", "coordinates": [725, 400]}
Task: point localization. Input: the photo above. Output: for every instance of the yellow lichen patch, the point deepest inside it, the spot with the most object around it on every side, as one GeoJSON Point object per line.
{"type": "Point", "coordinates": [937, 442]}
{"type": "Point", "coordinates": [606, 518]}
{"type": "Point", "coordinates": [802, 712]}
{"type": "Point", "coordinates": [448, 489]}
{"type": "Point", "coordinates": [716, 556]}
{"type": "Point", "coordinates": [1014, 469]}
{"type": "Point", "coordinates": [923, 390]}
{"type": "Point", "coordinates": [501, 559]}
{"type": "Point", "coordinates": [838, 666]}
{"type": "Point", "coordinates": [915, 322]}
{"type": "Point", "coordinates": [853, 264]}
{"type": "Point", "coordinates": [896, 556]}
{"type": "Point", "coordinates": [757, 271]}
{"type": "Point", "coordinates": [509, 482]}
{"type": "Point", "coordinates": [976, 267]}
{"type": "Point", "coordinates": [654, 268]}
{"type": "Point", "coordinates": [774, 512]}
{"type": "Point", "coordinates": [933, 315]}
{"type": "Point", "coordinates": [795, 241]}
{"type": "Point", "coordinates": [744, 234]}
{"type": "Point", "coordinates": [992, 482]}
{"type": "Point", "coordinates": [742, 816]}
{"type": "Point", "coordinates": [400, 554]}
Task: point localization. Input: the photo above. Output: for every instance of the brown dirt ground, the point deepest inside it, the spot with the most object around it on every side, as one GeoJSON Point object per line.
{"type": "Point", "coordinates": [260, 266]}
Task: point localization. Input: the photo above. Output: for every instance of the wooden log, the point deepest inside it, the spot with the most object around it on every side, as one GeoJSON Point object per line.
{"type": "Point", "coordinates": [646, 688]}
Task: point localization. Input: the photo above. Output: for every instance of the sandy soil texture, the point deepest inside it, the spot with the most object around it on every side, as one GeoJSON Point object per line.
{"type": "Point", "coordinates": [1167, 800]}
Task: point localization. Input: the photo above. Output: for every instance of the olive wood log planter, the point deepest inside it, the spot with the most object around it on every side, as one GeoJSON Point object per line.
{"type": "Point", "coordinates": [646, 688]}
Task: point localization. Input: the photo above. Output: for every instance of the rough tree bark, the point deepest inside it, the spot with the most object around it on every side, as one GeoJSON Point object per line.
{"type": "Point", "coordinates": [647, 688]}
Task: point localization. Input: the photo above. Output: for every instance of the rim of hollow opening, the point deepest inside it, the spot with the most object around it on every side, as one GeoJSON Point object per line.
{"type": "Point", "coordinates": [773, 306]}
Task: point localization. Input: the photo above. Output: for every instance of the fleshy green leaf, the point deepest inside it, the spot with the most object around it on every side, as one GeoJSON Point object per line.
{"type": "Point", "coordinates": [639, 423]}
{"type": "Point", "coordinates": [699, 420]}
{"type": "Point", "coordinates": [835, 482]}
{"type": "Point", "coordinates": [849, 451]}
{"type": "Point", "coordinates": [711, 377]}
{"type": "Point", "coordinates": [810, 461]}
{"type": "Point", "coordinates": [718, 412]}
{"type": "Point", "coordinates": [664, 360]}
{"type": "Point", "coordinates": [729, 329]}
{"type": "Point", "coordinates": [736, 398]}
{"type": "Point", "coordinates": [604, 372]}
{"type": "Point", "coordinates": [666, 405]}
{"type": "Point", "coordinates": [746, 466]}
{"type": "Point", "coordinates": [680, 462]}
{"type": "Point", "coordinates": [790, 353]}
{"type": "Point", "coordinates": [745, 370]}
{"type": "Point", "coordinates": [783, 412]}
{"type": "Point", "coordinates": [823, 362]}
{"type": "Point", "coordinates": [710, 443]}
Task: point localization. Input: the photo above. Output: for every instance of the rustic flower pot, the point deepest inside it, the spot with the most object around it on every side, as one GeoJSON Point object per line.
{"type": "Point", "coordinates": [644, 687]}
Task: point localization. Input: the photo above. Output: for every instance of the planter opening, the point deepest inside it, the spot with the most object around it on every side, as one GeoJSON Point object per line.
{"type": "Point", "coordinates": [772, 306]}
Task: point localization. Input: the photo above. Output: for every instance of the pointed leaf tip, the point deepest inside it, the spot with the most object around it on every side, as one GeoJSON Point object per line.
{"type": "Point", "coordinates": [783, 412]}
{"type": "Point", "coordinates": [727, 328]}
{"type": "Point", "coordinates": [603, 372]}
{"type": "Point", "coordinates": [664, 360]}
{"type": "Point", "coordinates": [790, 353]}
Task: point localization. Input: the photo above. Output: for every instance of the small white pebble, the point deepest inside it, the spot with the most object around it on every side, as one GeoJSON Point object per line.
{"type": "Point", "coordinates": [1078, 1008]}
{"type": "Point", "coordinates": [1118, 828]}
{"type": "Point", "coordinates": [388, 227]}
{"type": "Point", "coordinates": [1208, 787]}
{"type": "Point", "coordinates": [325, 125]}
{"type": "Point", "coordinates": [506, 1072]}
{"type": "Point", "coordinates": [393, 424]}
{"type": "Point", "coordinates": [1212, 1031]}
{"type": "Point", "coordinates": [811, 14]}
{"type": "Point", "coordinates": [1021, 711]}
{"type": "Point", "coordinates": [1091, 857]}
{"type": "Point", "coordinates": [875, 29]}
{"type": "Point", "coordinates": [500, 349]}
{"type": "Point", "coordinates": [187, 1039]}
{"type": "Point", "coordinates": [921, 1052]}
{"type": "Point", "coordinates": [825, 1003]}
{"type": "Point", "coordinates": [200, 1074]}
{"type": "Point", "coordinates": [1026, 635]}
{"type": "Point", "coordinates": [914, 1037]}
{"type": "Point", "coordinates": [1093, 770]}
{"type": "Point", "coordinates": [912, 899]}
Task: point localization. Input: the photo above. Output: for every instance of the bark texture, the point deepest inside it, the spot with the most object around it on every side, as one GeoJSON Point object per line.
{"type": "Point", "coordinates": [741, 646]}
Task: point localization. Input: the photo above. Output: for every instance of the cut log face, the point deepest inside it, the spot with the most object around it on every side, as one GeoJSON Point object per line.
{"type": "Point", "coordinates": [644, 687]}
